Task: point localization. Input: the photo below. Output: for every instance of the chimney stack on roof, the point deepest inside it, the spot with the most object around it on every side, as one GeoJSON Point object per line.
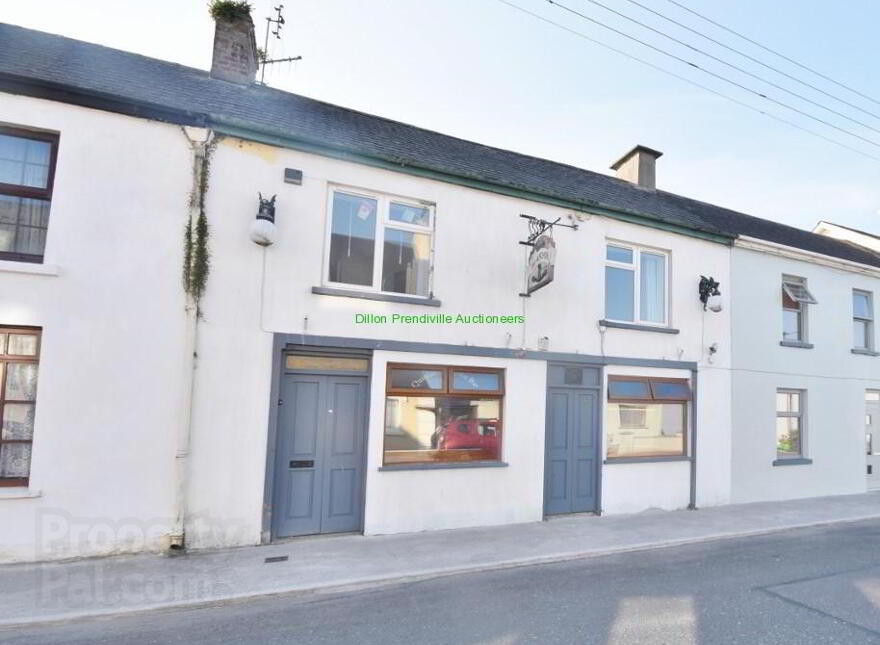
{"type": "Point", "coordinates": [235, 46]}
{"type": "Point", "coordinates": [638, 166]}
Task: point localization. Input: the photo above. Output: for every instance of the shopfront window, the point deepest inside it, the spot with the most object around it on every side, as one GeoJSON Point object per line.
{"type": "Point", "coordinates": [442, 414]}
{"type": "Point", "coordinates": [647, 417]}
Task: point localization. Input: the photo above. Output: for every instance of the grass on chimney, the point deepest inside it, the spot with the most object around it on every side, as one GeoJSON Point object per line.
{"type": "Point", "coordinates": [230, 10]}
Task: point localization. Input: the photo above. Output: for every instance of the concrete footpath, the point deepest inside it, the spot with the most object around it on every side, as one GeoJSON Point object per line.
{"type": "Point", "coordinates": [39, 593]}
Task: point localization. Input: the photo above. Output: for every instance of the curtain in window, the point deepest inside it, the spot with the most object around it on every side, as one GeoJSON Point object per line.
{"type": "Point", "coordinates": [653, 287]}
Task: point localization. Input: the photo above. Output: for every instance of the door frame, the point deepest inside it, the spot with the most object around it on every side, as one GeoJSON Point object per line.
{"type": "Point", "coordinates": [600, 443]}
{"type": "Point", "coordinates": [867, 456]}
{"type": "Point", "coordinates": [281, 349]}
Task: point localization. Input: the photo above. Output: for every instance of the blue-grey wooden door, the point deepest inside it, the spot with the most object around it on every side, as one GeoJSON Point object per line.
{"type": "Point", "coordinates": [319, 471]}
{"type": "Point", "coordinates": [572, 445]}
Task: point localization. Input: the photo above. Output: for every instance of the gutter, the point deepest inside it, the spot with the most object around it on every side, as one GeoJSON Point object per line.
{"type": "Point", "coordinates": [781, 250]}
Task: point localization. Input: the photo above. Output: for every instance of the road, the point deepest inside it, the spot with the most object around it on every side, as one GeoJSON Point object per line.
{"type": "Point", "coordinates": [819, 585]}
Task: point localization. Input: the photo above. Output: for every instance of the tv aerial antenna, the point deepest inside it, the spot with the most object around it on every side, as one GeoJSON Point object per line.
{"type": "Point", "coordinates": [278, 22]}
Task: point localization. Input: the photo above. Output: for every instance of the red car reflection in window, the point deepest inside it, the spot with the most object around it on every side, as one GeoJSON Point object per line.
{"type": "Point", "coordinates": [471, 434]}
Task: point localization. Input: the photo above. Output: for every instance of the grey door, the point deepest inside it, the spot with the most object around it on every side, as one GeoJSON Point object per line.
{"type": "Point", "coordinates": [872, 439]}
{"type": "Point", "coordinates": [571, 474]}
{"type": "Point", "coordinates": [319, 470]}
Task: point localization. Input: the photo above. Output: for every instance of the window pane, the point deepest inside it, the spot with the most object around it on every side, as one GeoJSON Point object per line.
{"type": "Point", "coordinates": [861, 305]}
{"type": "Point", "coordinates": [15, 459]}
{"type": "Point", "coordinates": [21, 345]}
{"type": "Point", "coordinates": [650, 430]}
{"type": "Point", "coordinates": [2, 343]}
{"type": "Point", "coordinates": [619, 254]}
{"type": "Point", "coordinates": [440, 429]}
{"type": "Point", "coordinates": [18, 421]}
{"type": "Point", "coordinates": [23, 224]}
{"type": "Point", "coordinates": [415, 379]}
{"type": "Point", "coordinates": [860, 334]}
{"type": "Point", "coordinates": [24, 161]}
{"type": "Point", "coordinates": [798, 291]}
{"type": "Point", "coordinates": [419, 215]}
{"type": "Point", "coordinates": [788, 437]}
{"type": "Point", "coordinates": [671, 390]}
{"type": "Point", "coordinates": [788, 402]}
{"type": "Point", "coordinates": [21, 381]}
{"type": "Point", "coordinates": [872, 396]}
{"type": "Point", "coordinates": [628, 390]}
{"type": "Point", "coordinates": [406, 262]}
{"type": "Point", "coordinates": [652, 286]}
{"type": "Point", "coordinates": [619, 294]}
{"type": "Point", "coordinates": [791, 325]}
{"type": "Point", "coordinates": [476, 381]}
{"type": "Point", "coordinates": [352, 239]}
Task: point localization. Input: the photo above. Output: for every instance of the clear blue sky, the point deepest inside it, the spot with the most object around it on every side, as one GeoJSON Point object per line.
{"type": "Point", "coordinates": [483, 71]}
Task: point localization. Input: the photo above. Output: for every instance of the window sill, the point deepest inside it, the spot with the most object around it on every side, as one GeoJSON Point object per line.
{"type": "Point", "coordinates": [796, 343]}
{"type": "Point", "coordinates": [621, 325]}
{"type": "Point", "coordinates": [792, 462]}
{"type": "Point", "coordinates": [645, 460]}
{"type": "Point", "coordinates": [445, 466]}
{"type": "Point", "coordinates": [865, 352]}
{"type": "Point", "coordinates": [19, 492]}
{"type": "Point", "coordinates": [10, 266]}
{"type": "Point", "coordinates": [368, 295]}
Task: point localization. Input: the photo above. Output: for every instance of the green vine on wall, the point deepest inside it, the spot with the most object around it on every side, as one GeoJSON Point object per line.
{"type": "Point", "coordinates": [196, 252]}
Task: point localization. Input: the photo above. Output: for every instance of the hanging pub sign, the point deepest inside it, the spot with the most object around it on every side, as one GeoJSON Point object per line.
{"type": "Point", "coordinates": [539, 272]}
{"type": "Point", "coordinates": [541, 261]}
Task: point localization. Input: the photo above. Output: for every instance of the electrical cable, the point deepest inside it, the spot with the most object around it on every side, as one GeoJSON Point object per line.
{"type": "Point", "coordinates": [753, 59]}
{"type": "Point", "coordinates": [774, 52]}
{"type": "Point", "coordinates": [730, 65]}
{"type": "Point", "coordinates": [711, 73]}
{"type": "Point", "coordinates": [687, 80]}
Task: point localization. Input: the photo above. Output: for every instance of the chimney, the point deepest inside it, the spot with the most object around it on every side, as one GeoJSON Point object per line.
{"type": "Point", "coordinates": [638, 166]}
{"type": "Point", "coordinates": [235, 48]}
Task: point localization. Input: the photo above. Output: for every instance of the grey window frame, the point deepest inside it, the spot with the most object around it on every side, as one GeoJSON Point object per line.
{"type": "Point", "coordinates": [795, 288]}
{"type": "Point", "coordinates": [869, 322]}
{"type": "Point", "coordinates": [801, 415]}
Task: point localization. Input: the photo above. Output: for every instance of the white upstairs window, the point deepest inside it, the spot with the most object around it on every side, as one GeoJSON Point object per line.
{"type": "Point", "coordinates": [863, 320]}
{"type": "Point", "coordinates": [636, 284]}
{"type": "Point", "coordinates": [795, 298]}
{"type": "Point", "coordinates": [380, 243]}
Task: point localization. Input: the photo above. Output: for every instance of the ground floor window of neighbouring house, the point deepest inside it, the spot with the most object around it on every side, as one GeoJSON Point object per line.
{"type": "Point", "coordinates": [647, 417]}
{"type": "Point", "coordinates": [19, 355]}
{"type": "Point", "coordinates": [440, 414]}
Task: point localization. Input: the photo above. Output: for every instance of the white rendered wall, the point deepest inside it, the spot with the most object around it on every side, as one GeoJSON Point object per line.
{"type": "Point", "coordinates": [478, 268]}
{"type": "Point", "coordinates": [108, 400]}
{"type": "Point", "coordinates": [835, 380]}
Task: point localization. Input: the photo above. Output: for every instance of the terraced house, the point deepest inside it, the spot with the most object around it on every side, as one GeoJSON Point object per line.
{"type": "Point", "coordinates": [231, 315]}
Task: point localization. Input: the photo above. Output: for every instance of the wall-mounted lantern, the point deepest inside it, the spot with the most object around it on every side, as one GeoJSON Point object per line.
{"type": "Point", "coordinates": [263, 230]}
{"type": "Point", "coordinates": [710, 296]}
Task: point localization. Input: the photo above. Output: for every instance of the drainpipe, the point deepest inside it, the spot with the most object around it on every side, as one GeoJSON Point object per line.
{"type": "Point", "coordinates": [198, 139]}
{"type": "Point", "coordinates": [693, 501]}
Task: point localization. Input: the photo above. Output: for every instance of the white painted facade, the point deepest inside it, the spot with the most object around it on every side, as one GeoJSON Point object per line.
{"type": "Point", "coordinates": [114, 366]}
{"type": "Point", "coordinates": [832, 376]}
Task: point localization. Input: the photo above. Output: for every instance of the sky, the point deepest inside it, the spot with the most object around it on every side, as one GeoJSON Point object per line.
{"type": "Point", "coordinates": [484, 71]}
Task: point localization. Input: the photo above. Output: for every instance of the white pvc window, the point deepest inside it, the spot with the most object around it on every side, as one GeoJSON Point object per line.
{"type": "Point", "coordinates": [863, 320]}
{"type": "Point", "coordinates": [377, 242]}
{"type": "Point", "coordinates": [636, 284]}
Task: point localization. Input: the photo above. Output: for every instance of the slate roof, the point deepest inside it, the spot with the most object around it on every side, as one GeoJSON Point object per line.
{"type": "Point", "coordinates": [32, 61]}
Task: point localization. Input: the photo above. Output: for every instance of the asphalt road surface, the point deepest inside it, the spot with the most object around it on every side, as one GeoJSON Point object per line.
{"type": "Point", "coordinates": [819, 585]}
